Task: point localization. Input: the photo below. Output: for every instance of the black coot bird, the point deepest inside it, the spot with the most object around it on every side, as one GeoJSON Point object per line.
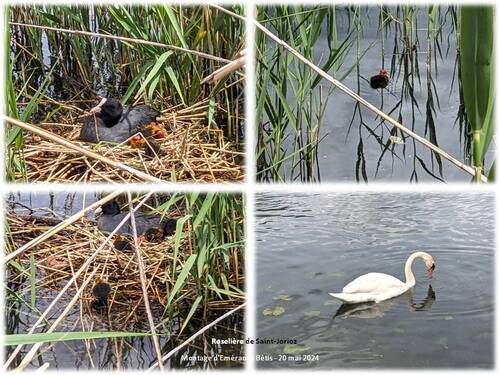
{"type": "Point", "coordinates": [146, 225]}
{"type": "Point", "coordinates": [109, 121]}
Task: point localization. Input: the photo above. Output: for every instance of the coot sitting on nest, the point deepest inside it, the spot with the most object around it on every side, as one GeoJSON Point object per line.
{"type": "Point", "coordinates": [109, 121]}
{"type": "Point", "coordinates": [112, 216]}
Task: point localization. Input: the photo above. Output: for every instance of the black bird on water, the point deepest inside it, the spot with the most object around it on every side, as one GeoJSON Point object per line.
{"type": "Point", "coordinates": [110, 121]}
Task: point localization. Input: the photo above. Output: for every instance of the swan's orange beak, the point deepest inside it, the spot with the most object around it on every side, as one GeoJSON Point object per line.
{"type": "Point", "coordinates": [430, 270]}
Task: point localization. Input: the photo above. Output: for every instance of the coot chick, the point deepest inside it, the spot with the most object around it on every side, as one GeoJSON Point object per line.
{"type": "Point", "coordinates": [158, 234]}
{"type": "Point", "coordinates": [122, 243]}
{"type": "Point", "coordinates": [101, 292]}
{"type": "Point", "coordinates": [153, 130]}
{"type": "Point", "coordinates": [380, 81]}
{"type": "Point", "coordinates": [154, 235]}
{"type": "Point", "coordinates": [150, 147]}
{"type": "Point", "coordinates": [111, 216]}
{"type": "Point", "coordinates": [109, 121]}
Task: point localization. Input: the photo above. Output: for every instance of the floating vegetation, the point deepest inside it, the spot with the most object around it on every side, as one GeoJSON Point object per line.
{"type": "Point", "coordinates": [292, 349]}
{"type": "Point", "coordinates": [276, 311]}
{"type": "Point", "coordinates": [283, 297]}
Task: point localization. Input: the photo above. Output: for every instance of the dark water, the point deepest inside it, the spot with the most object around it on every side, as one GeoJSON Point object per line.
{"type": "Point", "coordinates": [310, 245]}
{"type": "Point", "coordinates": [127, 353]}
{"type": "Point", "coordinates": [345, 146]}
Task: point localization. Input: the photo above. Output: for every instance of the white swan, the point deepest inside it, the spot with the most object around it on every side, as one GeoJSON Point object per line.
{"type": "Point", "coordinates": [376, 287]}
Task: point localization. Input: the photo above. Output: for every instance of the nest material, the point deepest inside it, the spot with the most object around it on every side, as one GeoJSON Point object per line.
{"type": "Point", "coordinates": [191, 152]}
{"type": "Point", "coordinates": [60, 256]}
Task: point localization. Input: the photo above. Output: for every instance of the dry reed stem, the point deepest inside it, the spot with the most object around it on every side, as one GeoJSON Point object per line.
{"type": "Point", "coordinates": [144, 287]}
{"type": "Point", "coordinates": [191, 338]}
{"type": "Point", "coordinates": [227, 69]}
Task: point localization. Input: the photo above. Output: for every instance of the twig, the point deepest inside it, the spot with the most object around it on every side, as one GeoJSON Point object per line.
{"type": "Point", "coordinates": [352, 94]}
{"type": "Point", "coordinates": [175, 350]}
{"type": "Point", "coordinates": [124, 39]}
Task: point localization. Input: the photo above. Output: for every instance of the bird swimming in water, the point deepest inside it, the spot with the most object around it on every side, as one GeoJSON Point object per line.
{"type": "Point", "coordinates": [380, 81]}
{"type": "Point", "coordinates": [111, 216]}
{"type": "Point", "coordinates": [110, 121]}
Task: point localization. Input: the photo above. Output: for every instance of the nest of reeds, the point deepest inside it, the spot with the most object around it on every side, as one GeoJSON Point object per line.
{"type": "Point", "coordinates": [192, 151]}
{"type": "Point", "coordinates": [59, 257]}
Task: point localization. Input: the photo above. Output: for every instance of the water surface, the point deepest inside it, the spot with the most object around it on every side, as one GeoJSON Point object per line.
{"type": "Point", "coordinates": [353, 141]}
{"type": "Point", "coordinates": [311, 244]}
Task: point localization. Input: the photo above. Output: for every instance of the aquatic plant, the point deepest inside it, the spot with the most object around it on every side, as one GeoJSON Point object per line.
{"type": "Point", "coordinates": [185, 280]}
{"type": "Point", "coordinates": [291, 102]}
{"type": "Point", "coordinates": [280, 130]}
{"type": "Point", "coordinates": [477, 47]}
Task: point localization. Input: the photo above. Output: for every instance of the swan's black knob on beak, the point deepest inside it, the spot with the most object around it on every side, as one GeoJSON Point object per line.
{"type": "Point", "coordinates": [430, 270]}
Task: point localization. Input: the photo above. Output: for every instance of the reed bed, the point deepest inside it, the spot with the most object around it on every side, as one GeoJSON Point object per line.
{"type": "Point", "coordinates": [292, 102]}
{"type": "Point", "coordinates": [195, 274]}
{"type": "Point", "coordinates": [62, 57]}
{"type": "Point", "coordinates": [191, 152]}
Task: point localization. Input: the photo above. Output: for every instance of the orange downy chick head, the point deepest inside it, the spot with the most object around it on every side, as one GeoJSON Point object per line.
{"type": "Point", "coordinates": [156, 131]}
{"type": "Point", "coordinates": [383, 72]}
{"type": "Point", "coordinates": [137, 141]}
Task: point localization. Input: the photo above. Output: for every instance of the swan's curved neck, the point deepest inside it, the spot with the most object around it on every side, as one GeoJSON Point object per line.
{"type": "Point", "coordinates": [410, 279]}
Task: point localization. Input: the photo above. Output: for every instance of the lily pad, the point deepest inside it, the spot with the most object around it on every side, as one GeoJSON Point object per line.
{"type": "Point", "coordinates": [312, 313]}
{"type": "Point", "coordinates": [277, 311]}
{"type": "Point", "coordinates": [448, 317]}
{"type": "Point", "coordinates": [338, 274]}
{"type": "Point", "coordinates": [283, 297]}
{"type": "Point", "coordinates": [295, 349]}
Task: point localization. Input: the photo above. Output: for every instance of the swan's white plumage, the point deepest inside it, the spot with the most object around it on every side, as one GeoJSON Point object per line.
{"type": "Point", "coordinates": [373, 282]}
{"type": "Point", "coordinates": [377, 287]}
